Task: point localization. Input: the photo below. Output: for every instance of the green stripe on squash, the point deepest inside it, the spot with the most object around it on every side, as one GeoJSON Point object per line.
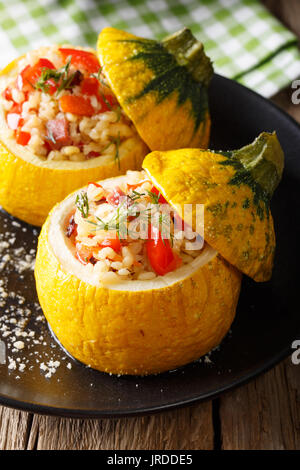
{"type": "Point", "coordinates": [161, 86]}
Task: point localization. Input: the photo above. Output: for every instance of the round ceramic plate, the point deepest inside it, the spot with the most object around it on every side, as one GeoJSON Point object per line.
{"type": "Point", "coordinates": [42, 378]}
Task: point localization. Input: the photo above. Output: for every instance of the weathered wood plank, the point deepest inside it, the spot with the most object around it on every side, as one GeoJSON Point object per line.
{"type": "Point", "coordinates": [14, 429]}
{"type": "Point", "coordinates": [189, 428]}
{"type": "Point", "coordinates": [262, 415]}
{"type": "Point", "coordinates": [266, 413]}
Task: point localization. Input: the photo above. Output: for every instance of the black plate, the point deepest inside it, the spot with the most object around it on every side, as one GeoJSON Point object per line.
{"type": "Point", "coordinates": [267, 319]}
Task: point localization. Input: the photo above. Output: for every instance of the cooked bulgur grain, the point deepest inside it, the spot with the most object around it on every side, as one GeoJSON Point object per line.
{"type": "Point", "coordinates": [129, 232]}
{"type": "Point", "coordinates": [60, 106]}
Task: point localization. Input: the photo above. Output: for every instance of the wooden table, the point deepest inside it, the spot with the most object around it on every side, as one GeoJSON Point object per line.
{"type": "Point", "coordinates": [265, 414]}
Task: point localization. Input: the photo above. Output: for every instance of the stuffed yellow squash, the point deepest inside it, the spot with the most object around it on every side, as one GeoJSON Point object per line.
{"type": "Point", "coordinates": [122, 302]}
{"type": "Point", "coordinates": [123, 275]}
{"type": "Point", "coordinates": [63, 121]}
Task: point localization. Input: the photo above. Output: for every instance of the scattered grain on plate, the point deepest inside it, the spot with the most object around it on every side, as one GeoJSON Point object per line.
{"type": "Point", "coordinates": [24, 335]}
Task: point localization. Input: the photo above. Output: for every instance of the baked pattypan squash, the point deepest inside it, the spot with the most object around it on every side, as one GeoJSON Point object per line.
{"type": "Point", "coordinates": [235, 188]}
{"type": "Point", "coordinates": [161, 86]}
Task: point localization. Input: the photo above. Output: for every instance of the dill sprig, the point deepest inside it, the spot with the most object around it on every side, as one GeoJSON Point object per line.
{"type": "Point", "coordinates": [136, 195]}
{"type": "Point", "coordinates": [105, 100]}
{"type": "Point", "coordinates": [60, 76]}
{"type": "Point", "coordinates": [50, 136]}
{"type": "Point", "coordinates": [117, 141]}
{"type": "Point", "coordinates": [118, 111]}
{"type": "Point", "coordinates": [82, 204]}
{"type": "Point", "coordinates": [154, 197]}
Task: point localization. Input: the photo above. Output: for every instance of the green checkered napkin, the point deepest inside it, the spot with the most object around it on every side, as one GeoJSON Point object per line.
{"type": "Point", "coordinates": [243, 39]}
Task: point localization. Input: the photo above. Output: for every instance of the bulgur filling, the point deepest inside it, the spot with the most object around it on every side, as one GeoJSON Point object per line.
{"type": "Point", "coordinates": [129, 231]}
{"type": "Point", "coordinates": [61, 107]}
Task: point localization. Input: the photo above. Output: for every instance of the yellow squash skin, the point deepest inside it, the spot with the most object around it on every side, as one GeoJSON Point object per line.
{"type": "Point", "coordinates": [232, 224]}
{"type": "Point", "coordinates": [30, 188]}
{"type": "Point", "coordinates": [29, 191]}
{"type": "Point", "coordinates": [163, 125]}
{"type": "Point", "coordinates": [146, 332]}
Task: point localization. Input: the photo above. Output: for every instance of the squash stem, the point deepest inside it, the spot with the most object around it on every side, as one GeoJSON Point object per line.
{"type": "Point", "coordinates": [189, 52]}
{"type": "Point", "coordinates": [264, 159]}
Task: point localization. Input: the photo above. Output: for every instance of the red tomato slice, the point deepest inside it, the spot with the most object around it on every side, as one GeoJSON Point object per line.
{"type": "Point", "coordinates": [7, 93]}
{"type": "Point", "coordinates": [113, 197]}
{"type": "Point", "coordinates": [83, 59]}
{"type": "Point", "coordinates": [84, 253]}
{"type": "Point", "coordinates": [113, 243]}
{"type": "Point", "coordinates": [76, 105]}
{"type": "Point", "coordinates": [58, 131]}
{"type": "Point", "coordinates": [52, 86]}
{"type": "Point", "coordinates": [90, 86]}
{"type": "Point", "coordinates": [30, 75]}
{"type": "Point", "coordinates": [161, 199]}
{"type": "Point", "coordinates": [22, 138]}
{"type": "Point", "coordinates": [160, 254]}
{"type": "Point", "coordinates": [107, 102]}
{"type": "Point", "coordinates": [44, 64]}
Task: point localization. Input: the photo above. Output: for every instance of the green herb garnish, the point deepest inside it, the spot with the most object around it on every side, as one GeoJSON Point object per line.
{"type": "Point", "coordinates": [60, 76]}
{"type": "Point", "coordinates": [154, 197]}
{"type": "Point", "coordinates": [105, 100]}
{"type": "Point", "coordinates": [136, 195]}
{"type": "Point", "coordinates": [82, 204]}
{"type": "Point", "coordinates": [116, 141]}
{"type": "Point", "coordinates": [50, 136]}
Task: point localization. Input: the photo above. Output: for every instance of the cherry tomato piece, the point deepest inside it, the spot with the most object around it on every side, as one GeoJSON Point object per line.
{"type": "Point", "coordinates": [83, 253]}
{"type": "Point", "coordinates": [160, 254]}
{"type": "Point", "coordinates": [161, 199]}
{"type": "Point", "coordinates": [107, 102]}
{"type": "Point", "coordinates": [113, 243]}
{"type": "Point", "coordinates": [7, 93]}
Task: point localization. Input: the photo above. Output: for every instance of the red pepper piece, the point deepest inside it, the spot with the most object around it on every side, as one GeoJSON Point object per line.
{"type": "Point", "coordinates": [161, 199]}
{"type": "Point", "coordinates": [22, 138]}
{"type": "Point", "coordinates": [90, 86]}
{"type": "Point", "coordinates": [76, 105]}
{"type": "Point", "coordinates": [107, 102]}
{"type": "Point", "coordinates": [113, 243]}
{"type": "Point", "coordinates": [27, 79]}
{"type": "Point", "coordinates": [82, 59]}
{"type": "Point", "coordinates": [7, 93]}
